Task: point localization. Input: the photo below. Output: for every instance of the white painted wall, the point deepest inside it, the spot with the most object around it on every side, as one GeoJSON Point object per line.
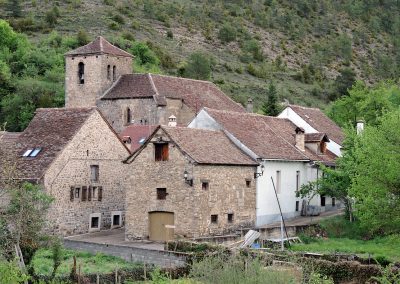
{"type": "Point", "coordinates": [300, 122]}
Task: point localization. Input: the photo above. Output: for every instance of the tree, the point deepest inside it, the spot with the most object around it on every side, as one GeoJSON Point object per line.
{"type": "Point", "coordinates": [343, 82]}
{"type": "Point", "coordinates": [82, 37]}
{"type": "Point", "coordinates": [375, 183]}
{"type": "Point", "coordinates": [227, 33]}
{"type": "Point", "coordinates": [198, 67]}
{"type": "Point", "coordinates": [15, 8]}
{"type": "Point", "coordinates": [271, 106]}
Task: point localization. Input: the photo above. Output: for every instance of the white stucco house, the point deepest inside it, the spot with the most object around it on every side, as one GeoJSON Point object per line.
{"type": "Point", "coordinates": [286, 154]}
{"type": "Point", "coordinates": [313, 120]}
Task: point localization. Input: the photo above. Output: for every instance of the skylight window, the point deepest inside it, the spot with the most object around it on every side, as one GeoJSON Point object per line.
{"type": "Point", "coordinates": [32, 152]}
{"type": "Point", "coordinates": [141, 141]}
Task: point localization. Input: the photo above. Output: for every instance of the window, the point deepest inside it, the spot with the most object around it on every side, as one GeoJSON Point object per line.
{"type": "Point", "coordinates": [94, 222]}
{"type": "Point", "coordinates": [116, 220]}
{"type": "Point", "coordinates": [322, 200]}
{"type": "Point", "coordinates": [322, 147]}
{"type": "Point", "coordinates": [71, 193]}
{"type": "Point", "coordinates": [161, 151]}
{"type": "Point", "coordinates": [214, 219]}
{"type": "Point", "coordinates": [32, 152]}
{"type": "Point", "coordinates": [205, 185]}
{"type": "Point", "coordinates": [248, 182]}
{"type": "Point", "coordinates": [77, 191]}
{"type": "Point", "coordinates": [94, 193]}
{"type": "Point", "coordinates": [81, 73]}
{"type": "Point", "coordinates": [94, 173]}
{"type": "Point", "coordinates": [333, 201]}
{"type": "Point", "coordinates": [84, 193]}
{"type": "Point", "coordinates": [162, 193]}
{"type": "Point", "coordinates": [278, 182]}
{"type": "Point", "coordinates": [230, 218]}
{"type": "Point", "coordinates": [297, 205]}
{"type": "Point", "coordinates": [114, 73]}
{"type": "Point", "coordinates": [128, 115]}
{"type": "Point", "coordinates": [297, 180]}
{"type": "Point", "coordinates": [108, 72]}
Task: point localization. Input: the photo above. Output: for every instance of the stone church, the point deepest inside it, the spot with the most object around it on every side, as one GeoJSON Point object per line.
{"type": "Point", "coordinates": [100, 74]}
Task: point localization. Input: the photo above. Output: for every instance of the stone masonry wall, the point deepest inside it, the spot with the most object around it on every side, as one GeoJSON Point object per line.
{"type": "Point", "coordinates": [96, 79]}
{"type": "Point", "coordinates": [94, 144]}
{"type": "Point", "coordinates": [192, 206]}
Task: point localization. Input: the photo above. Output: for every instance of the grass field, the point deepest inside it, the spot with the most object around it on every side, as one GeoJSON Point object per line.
{"type": "Point", "coordinates": [89, 263]}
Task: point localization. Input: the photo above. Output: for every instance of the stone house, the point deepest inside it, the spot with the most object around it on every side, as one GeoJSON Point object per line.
{"type": "Point", "coordinates": [100, 74]}
{"type": "Point", "coordinates": [286, 154]}
{"type": "Point", "coordinates": [190, 183]}
{"type": "Point", "coordinates": [313, 120]}
{"type": "Point", "coordinates": [76, 157]}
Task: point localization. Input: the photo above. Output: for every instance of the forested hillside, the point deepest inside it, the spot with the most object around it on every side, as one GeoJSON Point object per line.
{"type": "Point", "coordinates": [307, 51]}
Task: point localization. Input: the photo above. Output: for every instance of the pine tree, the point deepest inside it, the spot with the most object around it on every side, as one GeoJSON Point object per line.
{"type": "Point", "coordinates": [15, 7]}
{"type": "Point", "coordinates": [270, 106]}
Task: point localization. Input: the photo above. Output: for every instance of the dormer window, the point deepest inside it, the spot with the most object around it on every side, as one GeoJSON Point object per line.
{"type": "Point", "coordinates": [31, 152]}
{"type": "Point", "coordinates": [322, 147]}
{"type": "Point", "coordinates": [81, 73]}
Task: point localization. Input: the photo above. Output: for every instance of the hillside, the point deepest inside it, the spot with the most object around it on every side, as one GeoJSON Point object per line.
{"type": "Point", "coordinates": [311, 50]}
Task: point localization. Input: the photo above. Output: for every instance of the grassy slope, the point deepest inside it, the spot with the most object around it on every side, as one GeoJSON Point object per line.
{"type": "Point", "coordinates": [95, 17]}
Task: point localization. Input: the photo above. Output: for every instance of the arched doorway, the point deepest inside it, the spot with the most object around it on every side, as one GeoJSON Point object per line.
{"type": "Point", "coordinates": [161, 226]}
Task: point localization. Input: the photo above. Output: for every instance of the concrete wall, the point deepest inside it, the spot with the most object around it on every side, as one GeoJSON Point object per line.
{"type": "Point", "coordinates": [96, 79]}
{"type": "Point", "coordinates": [156, 257]}
{"type": "Point", "coordinates": [192, 206]}
{"type": "Point", "coordinates": [94, 144]}
{"type": "Point", "coordinates": [288, 113]}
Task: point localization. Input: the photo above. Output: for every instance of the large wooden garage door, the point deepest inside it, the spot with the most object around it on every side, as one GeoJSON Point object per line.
{"type": "Point", "coordinates": [161, 226]}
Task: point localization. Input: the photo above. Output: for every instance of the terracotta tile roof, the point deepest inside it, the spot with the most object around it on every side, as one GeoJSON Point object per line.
{"type": "Point", "coordinates": [51, 130]}
{"type": "Point", "coordinates": [99, 46]}
{"type": "Point", "coordinates": [269, 137]}
{"type": "Point", "coordinates": [136, 133]}
{"type": "Point", "coordinates": [208, 146]}
{"type": "Point", "coordinates": [315, 137]}
{"type": "Point", "coordinates": [194, 93]}
{"type": "Point", "coordinates": [318, 120]}
{"type": "Point", "coordinates": [261, 134]}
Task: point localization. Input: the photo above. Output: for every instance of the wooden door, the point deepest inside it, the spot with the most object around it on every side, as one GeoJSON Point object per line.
{"type": "Point", "coordinates": [161, 226]}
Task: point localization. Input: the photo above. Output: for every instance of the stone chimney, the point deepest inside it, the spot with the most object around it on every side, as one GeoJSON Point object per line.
{"type": "Point", "coordinates": [360, 126]}
{"type": "Point", "coordinates": [249, 106]}
{"type": "Point", "coordinates": [172, 121]}
{"type": "Point", "coordinates": [300, 139]}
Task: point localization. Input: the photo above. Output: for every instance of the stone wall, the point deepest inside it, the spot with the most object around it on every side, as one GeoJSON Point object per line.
{"type": "Point", "coordinates": [192, 206]}
{"type": "Point", "coordinates": [96, 79]}
{"type": "Point", "coordinates": [94, 144]}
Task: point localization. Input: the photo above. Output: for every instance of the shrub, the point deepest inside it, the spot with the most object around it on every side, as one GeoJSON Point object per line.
{"type": "Point", "coordinates": [82, 37]}
{"type": "Point", "coordinates": [198, 67]}
{"type": "Point", "coordinates": [170, 34]}
{"type": "Point", "coordinates": [119, 19]}
{"type": "Point", "coordinates": [227, 33]}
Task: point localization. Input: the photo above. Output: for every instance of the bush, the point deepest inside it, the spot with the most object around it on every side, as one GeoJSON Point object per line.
{"type": "Point", "coordinates": [11, 274]}
{"type": "Point", "coordinates": [198, 67]}
{"type": "Point", "coordinates": [119, 19]}
{"type": "Point", "coordinates": [170, 34]}
{"type": "Point", "coordinates": [227, 33]}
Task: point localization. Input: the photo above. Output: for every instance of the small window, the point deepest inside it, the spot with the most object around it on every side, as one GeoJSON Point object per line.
{"type": "Point", "coordinates": [248, 182]}
{"type": "Point", "coordinates": [128, 115]}
{"type": "Point", "coordinates": [322, 200]}
{"type": "Point", "coordinates": [142, 140]}
{"type": "Point", "coordinates": [297, 205]}
{"type": "Point", "coordinates": [94, 193]}
{"type": "Point", "coordinates": [278, 182]}
{"type": "Point", "coordinates": [297, 180]}
{"type": "Point", "coordinates": [94, 173]}
{"type": "Point", "coordinates": [230, 218]}
{"type": "Point", "coordinates": [116, 220]}
{"type": "Point", "coordinates": [214, 219]}
{"type": "Point", "coordinates": [77, 191]}
{"type": "Point", "coordinates": [32, 152]}
{"type": "Point", "coordinates": [81, 73]}
{"type": "Point", "coordinates": [205, 185]}
{"type": "Point", "coordinates": [333, 201]}
{"type": "Point", "coordinates": [27, 153]}
{"type": "Point", "coordinates": [108, 72]}
{"type": "Point", "coordinates": [94, 222]}
{"type": "Point", "coordinates": [162, 193]}
{"type": "Point", "coordinates": [161, 151]}
{"type": "Point", "coordinates": [84, 193]}
{"type": "Point", "coordinates": [114, 73]}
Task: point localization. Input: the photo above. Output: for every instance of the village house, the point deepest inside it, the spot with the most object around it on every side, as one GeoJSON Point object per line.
{"type": "Point", "coordinates": [100, 74]}
{"type": "Point", "coordinates": [76, 157]}
{"type": "Point", "coordinates": [313, 120]}
{"type": "Point", "coordinates": [288, 158]}
{"type": "Point", "coordinates": [189, 183]}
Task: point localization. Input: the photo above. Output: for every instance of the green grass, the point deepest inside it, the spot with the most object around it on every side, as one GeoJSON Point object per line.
{"type": "Point", "coordinates": [89, 263]}
{"type": "Point", "coordinates": [346, 237]}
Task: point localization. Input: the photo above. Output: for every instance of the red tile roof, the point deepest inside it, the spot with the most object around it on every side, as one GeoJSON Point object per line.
{"type": "Point", "coordinates": [318, 120]}
{"type": "Point", "coordinates": [194, 93]}
{"type": "Point", "coordinates": [315, 137]}
{"type": "Point", "coordinates": [99, 46]}
{"type": "Point", "coordinates": [136, 133]}
{"type": "Point", "coordinates": [51, 130]}
{"type": "Point", "coordinates": [268, 137]}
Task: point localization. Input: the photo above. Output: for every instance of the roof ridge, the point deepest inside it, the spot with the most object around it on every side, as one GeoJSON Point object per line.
{"type": "Point", "coordinates": [245, 113]}
{"type": "Point", "coordinates": [304, 107]}
{"type": "Point", "coordinates": [112, 85]}
{"type": "Point", "coordinates": [183, 78]}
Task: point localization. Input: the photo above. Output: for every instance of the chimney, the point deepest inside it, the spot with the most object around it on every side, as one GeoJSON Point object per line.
{"type": "Point", "coordinates": [249, 106]}
{"type": "Point", "coordinates": [172, 121]}
{"type": "Point", "coordinates": [300, 137]}
{"type": "Point", "coordinates": [360, 126]}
